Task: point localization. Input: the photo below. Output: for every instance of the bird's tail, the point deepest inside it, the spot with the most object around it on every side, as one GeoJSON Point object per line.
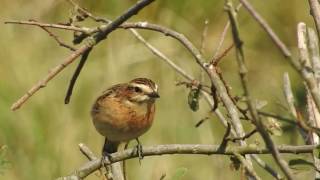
{"type": "Point", "coordinates": [110, 147]}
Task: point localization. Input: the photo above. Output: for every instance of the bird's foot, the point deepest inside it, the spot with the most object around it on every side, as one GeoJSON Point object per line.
{"type": "Point", "coordinates": [139, 150]}
{"type": "Point", "coordinates": [105, 162]}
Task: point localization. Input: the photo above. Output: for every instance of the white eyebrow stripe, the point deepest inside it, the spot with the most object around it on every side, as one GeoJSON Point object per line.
{"type": "Point", "coordinates": [156, 88]}
{"type": "Point", "coordinates": [143, 87]}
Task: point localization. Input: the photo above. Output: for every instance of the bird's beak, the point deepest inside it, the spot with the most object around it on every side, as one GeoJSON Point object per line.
{"type": "Point", "coordinates": [154, 95]}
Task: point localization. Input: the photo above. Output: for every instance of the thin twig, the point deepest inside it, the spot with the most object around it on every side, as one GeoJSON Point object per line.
{"type": "Point", "coordinates": [89, 154]}
{"type": "Point", "coordinates": [224, 143]}
{"type": "Point", "coordinates": [182, 72]}
{"type": "Point", "coordinates": [93, 41]}
{"type": "Point", "coordinates": [234, 139]}
{"type": "Point", "coordinates": [305, 62]}
{"type": "Point", "coordinates": [284, 119]}
{"type": "Point", "coordinates": [289, 95]}
{"type": "Point", "coordinates": [52, 73]}
{"type": "Point", "coordinates": [302, 124]}
{"type": "Point", "coordinates": [223, 36]}
{"type": "Point", "coordinates": [217, 58]}
{"type": "Point", "coordinates": [204, 36]}
{"type": "Point", "coordinates": [55, 26]}
{"type": "Point", "coordinates": [253, 111]}
{"type": "Point", "coordinates": [83, 10]}
{"type": "Point", "coordinates": [315, 12]}
{"type": "Point", "coordinates": [313, 112]}
{"type": "Point", "coordinates": [56, 38]}
{"type": "Point", "coordinates": [75, 75]}
{"type": "Point", "coordinates": [248, 168]}
{"type": "Point", "coordinates": [285, 51]}
{"type": "Point", "coordinates": [161, 55]}
{"type": "Point", "coordinates": [200, 122]}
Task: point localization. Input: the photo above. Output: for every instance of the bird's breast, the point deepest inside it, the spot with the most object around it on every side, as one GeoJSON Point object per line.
{"type": "Point", "coordinates": [119, 120]}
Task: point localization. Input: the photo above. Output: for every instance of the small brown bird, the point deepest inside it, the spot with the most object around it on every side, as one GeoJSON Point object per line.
{"type": "Point", "coordinates": [124, 112]}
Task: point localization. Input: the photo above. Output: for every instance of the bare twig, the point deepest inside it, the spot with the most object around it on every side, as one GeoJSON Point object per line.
{"type": "Point", "coordinates": [247, 166]}
{"type": "Point", "coordinates": [55, 26]}
{"type": "Point", "coordinates": [200, 122]}
{"type": "Point", "coordinates": [285, 51]}
{"type": "Point", "coordinates": [89, 154]}
{"type": "Point", "coordinates": [162, 56]}
{"type": "Point", "coordinates": [223, 36]}
{"type": "Point", "coordinates": [92, 166]}
{"type": "Point", "coordinates": [234, 139]}
{"type": "Point", "coordinates": [52, 73]}
{"type": "Point", "coordinates": [289, 95]}
{"type": "Point", "coordinates": [57, 39]}
{"type": "Point", "coordinates": [253, 111]}
{"type": "Point", "coordinates": [204, 36]}
{"type": "Point", "coordinates": [217, 58]}
{"type": "Point", "coordinates": [284, 119]}
{"type": "Point", "coordinates": [94, 40]}
{"type": "Point", "coordinates": [83, 10]}
{"type": "Point", "coordinates": [313, 46]}
{"type": "Point", "coordinates": [313, 112]}
{"type": "Point", "coordinates": [303, 125]}
{"type": "Point", "coordinates": [76, 73]}
{"type": "Point", "coordinates": [224, 143]}
{"type": "Point", "coordinates": [315, 12]}
{"type": "Point", "coordinates": [184, 74]}
{"type": "Point", "coordinates": [306, 69]}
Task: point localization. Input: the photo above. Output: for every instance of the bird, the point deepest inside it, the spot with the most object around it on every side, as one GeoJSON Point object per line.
{"type": "Point", "coordinates": [124, 112]}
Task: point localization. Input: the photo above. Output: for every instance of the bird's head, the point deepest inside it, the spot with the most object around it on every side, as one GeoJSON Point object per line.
{"type": "Point", "coordinates": [142, 90]}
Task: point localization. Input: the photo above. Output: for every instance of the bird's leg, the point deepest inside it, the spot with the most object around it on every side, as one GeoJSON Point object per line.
{"type": "Point", "coordinates": [139, 150]}
{"type": "Point", "coordinates": [105, 160]}
{"type": "Point", "coordinates": [107, 150]}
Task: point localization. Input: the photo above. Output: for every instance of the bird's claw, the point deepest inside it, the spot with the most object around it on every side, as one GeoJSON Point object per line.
{"type": "Point", "coordinates": [105, 161]}
{"type": "Point", "coordinates": [139, 150]}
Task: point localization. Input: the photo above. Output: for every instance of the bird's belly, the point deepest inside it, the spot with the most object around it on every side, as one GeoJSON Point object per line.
{"type": "Point", "coordinates": [120, 132]}
{"type": "Point", "coordinates": [122, 124]}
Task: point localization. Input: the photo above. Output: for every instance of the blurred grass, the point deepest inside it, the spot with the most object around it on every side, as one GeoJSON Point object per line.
{"type": "Point", "coordinates": [42, 136]}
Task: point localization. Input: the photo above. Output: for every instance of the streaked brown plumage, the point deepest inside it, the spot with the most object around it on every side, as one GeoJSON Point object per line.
{"type": "Point", "coordinates": [124, 112]}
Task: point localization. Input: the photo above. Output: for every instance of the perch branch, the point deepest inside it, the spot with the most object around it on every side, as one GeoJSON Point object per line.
{"type": "Point", "coordinates": [89, 154]}
{"type": "Point", "coordinates": [92, 166]}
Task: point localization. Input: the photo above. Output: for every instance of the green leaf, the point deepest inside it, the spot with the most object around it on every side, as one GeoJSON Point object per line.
{"type": "Point", "coordinates": [301, 164]}
{"type": "Point", "coordinates": [193, 98]}
{"type": "Point", "coordinates": [180, 172]}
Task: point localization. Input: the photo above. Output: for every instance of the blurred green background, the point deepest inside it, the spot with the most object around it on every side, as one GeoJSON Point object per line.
{"type": "Point", "coordinates": [42, 137]}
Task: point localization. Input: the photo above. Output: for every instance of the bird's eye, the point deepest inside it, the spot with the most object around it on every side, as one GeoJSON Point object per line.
{"type": "Point", "coordinates": [137, 89]}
